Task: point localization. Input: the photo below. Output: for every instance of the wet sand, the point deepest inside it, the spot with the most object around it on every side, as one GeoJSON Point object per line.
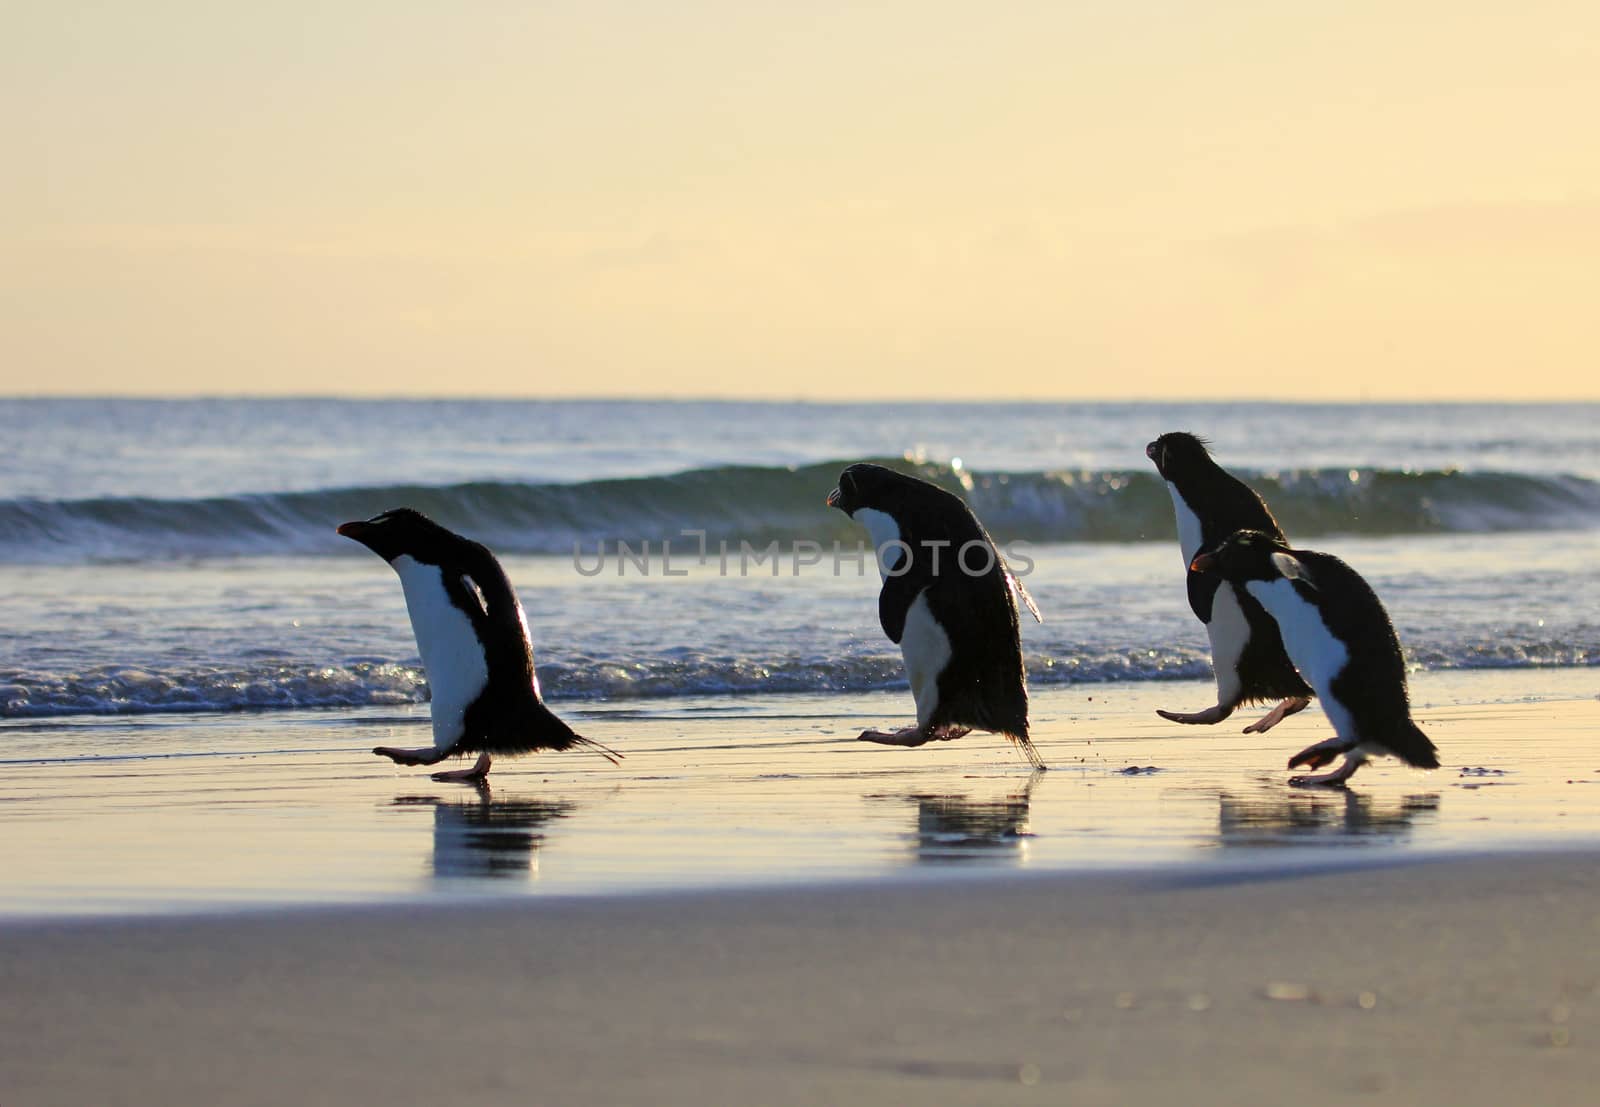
{"type": "Point", "coordinates": [153, 815]}
{"type": "Point", "coordinates": [754, 908]}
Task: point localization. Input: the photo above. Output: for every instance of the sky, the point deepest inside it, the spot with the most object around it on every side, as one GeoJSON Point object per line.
{"type": "Point", "coordinates": [825, 201]}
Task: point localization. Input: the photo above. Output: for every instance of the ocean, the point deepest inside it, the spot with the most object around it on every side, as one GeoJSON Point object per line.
{"type": "Point", "coordinates": [180, 556]}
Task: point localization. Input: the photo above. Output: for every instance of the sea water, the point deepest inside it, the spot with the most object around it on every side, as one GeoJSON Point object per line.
{"type": "Point", "coordinates": [180, 556]}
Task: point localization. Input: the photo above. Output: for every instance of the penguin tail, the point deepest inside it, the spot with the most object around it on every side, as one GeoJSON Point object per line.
{"type": "Point", "coordinates": [1413, 747]}
{"type": "Point", "coordinates": [555, 734]}
{"type": "Point", "coordinates": [1029, 750]}
{"type": "Point", "coordinates": [591, 746]}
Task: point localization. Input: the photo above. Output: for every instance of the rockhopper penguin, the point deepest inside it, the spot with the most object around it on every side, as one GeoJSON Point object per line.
{"type": "Point", "coordinates": [473, 638]}
{"type": "Point", "coordinates": [1340, 637]}
{"type": "Point", "coordinates": [950, 603]}
{"type": "Point", "coordinates": [1247, 653]}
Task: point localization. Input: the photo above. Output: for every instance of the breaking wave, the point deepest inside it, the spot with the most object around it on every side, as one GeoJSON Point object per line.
{"type": "Point", "coordinates": [762, 504]}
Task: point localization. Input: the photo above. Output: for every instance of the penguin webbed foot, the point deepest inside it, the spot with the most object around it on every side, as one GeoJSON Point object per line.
{"type": "Point", "coordinates": [1326, 780]}
{"type": "Point", "coordinates": [916, 735]}
{"type": "Point", "coordinates": [1335, 779]}
{"type": "Point", "coordinates": [427, 755]}
{"type": "Point", "coordinates": [1207, 717]}
{"type": "Point", "coordinates": [905, 736]}
{"type": "Point", "coordinates": [1272, 718]}
{"type": "Point", "coordinates": [1323, 753]}
{"type": "Point", "coordinates": [1314, 757]}
{"type": "Point", "coordinates": [478, 774]}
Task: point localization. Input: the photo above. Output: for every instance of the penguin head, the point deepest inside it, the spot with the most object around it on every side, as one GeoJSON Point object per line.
{"type": "Point", "coordinates": [872, 486]}
{"type": "Point", "coordinates": [401, 531]}
{"type": "Point", "coordinates": [1178, 452]}
{"type": "Point", "coordinates": [1249, 555]}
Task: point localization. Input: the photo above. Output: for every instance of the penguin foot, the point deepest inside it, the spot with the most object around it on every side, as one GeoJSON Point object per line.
{"type": "Point", "coordinates": [1278, 714]}
{"type": "Point", "coordinates": [1198, 718]}
{"type": "Point", "coordinates": [475, 775]}
{"type": "Point", "coordinates": [1326, 780]}
{"type": "Point", "coordinates": [1334, 779]}
{"type": "Point", "coordinates": [1314, 757]}
{"type": "Point", "coordinates": [916, 735]}
{"type": "Point", "coordinates": [905, 736]}
{"type": "Point", "coordinates": [427, 755]}
{"type": "Point", "coordinates": [1353, 760]}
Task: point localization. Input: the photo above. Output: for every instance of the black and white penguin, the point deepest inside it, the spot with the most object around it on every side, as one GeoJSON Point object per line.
{"type": "Point", "coordinates": [950, 603]}
{"type": "Point", "coordinates": [1339, 635]}
{"type": "Point", "coordinates": [1247, 653]}
{"type": "Point", "coordinates": [473, 638]}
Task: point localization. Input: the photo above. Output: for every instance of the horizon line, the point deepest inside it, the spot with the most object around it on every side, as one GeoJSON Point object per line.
{"type": "Point", "coordinates": [712, 398]}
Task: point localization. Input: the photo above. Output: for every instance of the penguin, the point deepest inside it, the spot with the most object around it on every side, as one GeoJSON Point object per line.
{"type": "Point", "coordinates": [1247, 652]}
{"type": "Point", "coordinates": [949, 602]}
{"type": "Point", "coordinates": [1336, 631]}
{"type": "Point", "coordinates": [473, 638]}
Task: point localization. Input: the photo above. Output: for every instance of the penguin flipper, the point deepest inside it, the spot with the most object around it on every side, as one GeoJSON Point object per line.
{"type": "Point", "coordinates": [895, 601]}
{"type": "Point", "coordinates": [1202, 588]}
{"type": "Point", "coordinates": [492, 588]}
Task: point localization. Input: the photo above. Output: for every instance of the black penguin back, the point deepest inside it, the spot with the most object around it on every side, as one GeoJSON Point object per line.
{"type": "Point", "coordinates": [985, 684]}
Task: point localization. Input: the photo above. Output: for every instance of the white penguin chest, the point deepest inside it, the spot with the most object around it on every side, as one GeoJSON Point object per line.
{"type": "Point", "coordinates": [451, 653]}
{"type": "Point", "coordinates": [1229, 632]}
{"type": "Point", "coordinates": [926, 649]}
{"type": "Point", "coordinates": [1190, 533]}
{"type": "Point", "coordinates": [882, 530]}
{"type": "Point", "coordinates": [1306, 638]}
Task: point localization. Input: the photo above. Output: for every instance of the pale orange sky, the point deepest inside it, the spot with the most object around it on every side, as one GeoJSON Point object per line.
{"type": "Point", "coordinates": [866, 200]}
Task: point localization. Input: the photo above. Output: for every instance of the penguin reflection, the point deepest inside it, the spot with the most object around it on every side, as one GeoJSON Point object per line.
{"type": "Point", "coordinates": [959, 828]}
{"type": "Point", "coordinates": [1346, 817]}
{"type": "Point", "coordinates": [487, 837]}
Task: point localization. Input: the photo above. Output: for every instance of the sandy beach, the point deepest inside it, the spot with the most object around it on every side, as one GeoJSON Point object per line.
{"type": "Point", "coordinates": [754, 908]}
{"type": "Point", "coordinates": [1462, 982]}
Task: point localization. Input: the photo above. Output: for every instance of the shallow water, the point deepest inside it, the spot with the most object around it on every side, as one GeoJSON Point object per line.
{"type": "Point", "coordinates": [283, 634]}
{"type": "Point", "coordinates": [178, 813]}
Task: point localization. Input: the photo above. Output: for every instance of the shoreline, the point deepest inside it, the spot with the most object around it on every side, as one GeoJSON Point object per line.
{"type": "Point", "coordinates": [291, 811]}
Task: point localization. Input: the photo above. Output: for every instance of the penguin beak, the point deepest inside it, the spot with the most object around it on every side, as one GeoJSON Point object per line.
{"type": "Point", "coordinates": [833, 498]}
{"type": "Point", "coordinates": [1203, 563]}
{"type": "Point", "coordinates": [355, 530]}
